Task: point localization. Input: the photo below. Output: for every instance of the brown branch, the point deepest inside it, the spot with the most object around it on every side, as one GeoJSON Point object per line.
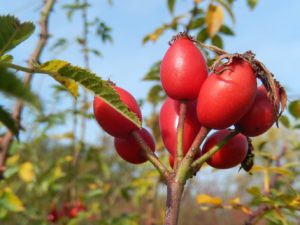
{"type": "Point", "coordinates": [7, 139]}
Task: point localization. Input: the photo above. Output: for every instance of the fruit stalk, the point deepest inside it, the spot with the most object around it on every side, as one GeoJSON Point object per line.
{"type": "Point", "coordinates": [215, 149]}
{"type": "Point", "coordinates": [182, 173]}
{"type": "Point", "coordinates": [149, 154]}
{"type": "Point", "coordinates": [180, 132]}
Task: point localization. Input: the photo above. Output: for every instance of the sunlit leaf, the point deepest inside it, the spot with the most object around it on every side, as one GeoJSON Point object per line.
{"type": "Point", "coordinates": [64, 70]}
{"type": "Point", "coordinates": [8, 121]}
{"type": "Point", "coordinates": [160, 30]}
{"type": "Point", "coordinates": [208, 199]}
{"type": "Point", "coordinates": [13, 32]}
{"type": "Point", "coordinates": [6, 58]}
{"type": "Point", "coordinates": [254, 191]}
{"type": "Point", "coordinates": [282, 171]}
{"type": "Point", "coordinates": [214, 19]}
{"type": "Point", "coordinates": [26, 172]}
{"type": "Point", "coordinates": [10, 200]}
{"type": "Point", "coordinates": [228, 9]}
{"type": "Point", "coordinates": [294, 108]}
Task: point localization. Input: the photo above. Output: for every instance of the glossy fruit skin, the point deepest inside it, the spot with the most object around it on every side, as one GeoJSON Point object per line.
{"type": "Point", "coordinates": [224, 98]}
{"type": "Point", "coordinates": [129, 150]}
{"type": "Point", "coordinates": [260, 117]}
{"type": "Point", "coordinates": [231, 154]}
{"type": "Point", "coordinates": [183, 70]}
{"type": "Point", "coordinates": [112, 121]}
{"type": "Point", "coordinates": [168, 122]}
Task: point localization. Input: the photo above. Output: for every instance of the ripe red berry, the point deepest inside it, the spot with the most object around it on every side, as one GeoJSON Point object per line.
{"type": "Point", "coordinates": [111, 120]}
{"type": "Point", "coordinates": [260, 117]}
{"type": "Point", "coordinates": [226, 95]}
{"type": "Point", "coordinates": [53, 216]}
{"type": "Point", "coordinates": [168, 122]}
{"type": "Point", "coordinates": [130, 150]}
{"type": "Point", "coordinates": [183, 70]}
{"type": "Point", "coordinates": [231, 154]}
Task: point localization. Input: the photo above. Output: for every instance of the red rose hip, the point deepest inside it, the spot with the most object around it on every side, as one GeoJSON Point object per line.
{"type": "Point", "coordinates": [260, 117]}
{"type": "Point", "coordinates": [129, 149]}
{"type": "Point", "coordinates": [183, 70]}
{"type": "Point", "coordinates": [226, 95]}
{"type": "Point", "coordinates": [231, 154]}
{"type": "Point", "coordinates": [111, 120]}
{"type": "Point", "coordinates": [168, 122]}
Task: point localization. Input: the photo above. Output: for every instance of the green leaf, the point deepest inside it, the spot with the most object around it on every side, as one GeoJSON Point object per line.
{"type": "Point", "coordinates": [154, 73]}
{"type": "Point", "coordinates": [226, 30]}
{"type": "Point", "coordinates": [8, 121]}
{"type": "Point", "coordinates": [171, 5]}
{"type": "Point", "coordinates": [284, 120]}
{"type": "Point", "coordinates": [202, 35]}
{"type": "Point", "coordinates": [228, 9]}
{"type": "Point", "coordinates": [12, 86]}
{"type": "Point", "coordinates": [10, 201]}
{"type": "Point", "coordinates": [197, 23]}
{"type": "Point", "coordinates": [294, 108]}
{"type": "Point", "coordinates": [217, 41]}
{"type": "Point", "coordinates": [13, 32]}
{"type": "Point", "coordinates": [60, 69]}
{"type": "Point", "coordinates": [95, 193]}
{"type": "Point", "coordinates": [255, 191]}
{"type": "Point", "coordinates": [156, 94]}
{"type": "Point", "coordinates": [252, 3]}
{"type": "Point", "coordinates": [6, 58]}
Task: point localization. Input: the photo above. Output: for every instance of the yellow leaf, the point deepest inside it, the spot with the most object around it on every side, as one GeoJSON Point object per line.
{"type": "Point", "coordinates": [245, 210]}
{"type": "Point", "coordinates": [235, 201]}
{"type": "Point", "coordinates": [93, 186]}
{"type": "Point", "coordinates": [68, 158]}
{"type": "Point", "coordinates": [12, 200]}
{"type": "Point", "coordinates": [281, 171]}
{"type": "Point", "coordinates": [197, 1]}
{"type": "Point", "coordinates": [207, 199]}
{"type": "Point", "coordinates": [214, 19]}
{"type": "Point", "coordinates": [11, 161]}
{"type": "Point", "coordinates": [26, 172]}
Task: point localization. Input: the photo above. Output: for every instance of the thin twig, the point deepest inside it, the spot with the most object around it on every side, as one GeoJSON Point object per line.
{"type": "Point", "coordinates": [215, 149]}
{"type": "Point", "coordinates": [149, 154]}
{"type": "Point", "coordinates": [44, 35]}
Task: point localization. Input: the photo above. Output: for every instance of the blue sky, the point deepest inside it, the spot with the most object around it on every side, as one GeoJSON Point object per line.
{"type": "Point", "coordinates": [271, 31]}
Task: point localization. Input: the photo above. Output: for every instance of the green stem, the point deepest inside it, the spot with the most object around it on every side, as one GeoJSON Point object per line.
{"type": "Point", "coordinates": [24, 69]}
{"type": "Point", "coordinates": [149, 154]}
{"type": "Point", "coordinates": [185, 167]}
{"type": "Point", "coordinates": [216, 148]}
{"type": "Point", "coordinates": [180, 132]}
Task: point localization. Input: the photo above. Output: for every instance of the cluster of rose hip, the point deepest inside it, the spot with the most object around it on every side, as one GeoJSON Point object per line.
{"type": "Point", "coordinates": [227, 97]}
{"type": "Point", "coordinates": [69, 210]}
